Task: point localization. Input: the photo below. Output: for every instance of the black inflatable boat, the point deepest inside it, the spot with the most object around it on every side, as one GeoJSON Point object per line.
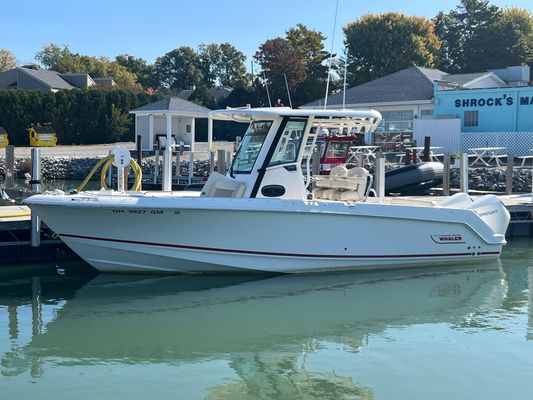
{"type": "Point", "coordinates": [414, 180]}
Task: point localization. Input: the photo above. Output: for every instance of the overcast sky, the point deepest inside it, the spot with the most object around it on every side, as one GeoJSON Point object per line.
{"type": "Point", "coordinates": [149, 29]}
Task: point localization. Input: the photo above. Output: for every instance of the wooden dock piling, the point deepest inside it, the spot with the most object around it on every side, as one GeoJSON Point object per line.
{"type": "Point", "coordinates": [10, 166]}
{"type": "Point", "coordinates": [509, 175]}
{"type": "Point", "coordinates": [446, 175]}
{"type": "Point", "coordinates": [463, 171]}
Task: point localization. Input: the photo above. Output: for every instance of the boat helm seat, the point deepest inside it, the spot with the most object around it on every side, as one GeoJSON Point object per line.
{"type": "Point", "coordinates": [342, 184]}
{"type": "Point", "coordinates": [219, 185]}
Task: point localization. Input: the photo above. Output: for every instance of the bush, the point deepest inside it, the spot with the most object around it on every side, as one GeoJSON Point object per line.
{"type": "Point", "coordinates": [78, 116]}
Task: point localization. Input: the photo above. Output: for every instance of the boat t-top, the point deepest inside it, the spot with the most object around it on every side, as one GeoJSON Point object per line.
{"type": "Point", "coordinates": [265, 214]}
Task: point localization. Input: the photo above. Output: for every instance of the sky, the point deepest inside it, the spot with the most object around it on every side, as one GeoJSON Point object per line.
{"type": "Point", "coordinates": [149, 29]}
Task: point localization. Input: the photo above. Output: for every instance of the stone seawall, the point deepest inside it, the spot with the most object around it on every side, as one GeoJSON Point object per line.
{"type": "Point", "coordinates": [488, 179]}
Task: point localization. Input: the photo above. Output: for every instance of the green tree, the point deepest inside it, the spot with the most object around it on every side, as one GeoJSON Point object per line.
{"type": "Point", "coordinates": [381, 44]}
{"type": "Point", "coordinates": [117, 123]}
{"type": "Point", "coordinates": [203, 97]}
{"type": "Point", "coordinates": [144, 71]}
{"type": "Point", "coordinates": [221, 64]}
{"type": "Point", "coordinates": [7, 60]}
{"type": "Point", "coordinates": [517, 31]}
{"type": "Point", "coordinates": [468, 35]}
{"type": "Point", "coordinates": [179, 69]}
{"type": "Point", "coordinates": [310, 45]}
{"type": "Point", "coordinates": [61, 59]}
{"type": "Point", "coordinates": [477, 36]}
{"type": "Point", "coordinates": [278, 58]}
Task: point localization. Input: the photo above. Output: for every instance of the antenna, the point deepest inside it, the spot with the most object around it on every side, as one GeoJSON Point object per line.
{"type": "Point", "coordinates": [344, 83]}
{"type": "Point", "coordinates": [331, 55]}
{"type": "Point", "coordinates": [288, 92]}
{"type": "Point", "coordinates": [266, 85]}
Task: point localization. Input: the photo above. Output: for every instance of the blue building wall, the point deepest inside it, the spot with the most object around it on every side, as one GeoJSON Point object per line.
{"type": "Point", "coordinates": [499, 109]}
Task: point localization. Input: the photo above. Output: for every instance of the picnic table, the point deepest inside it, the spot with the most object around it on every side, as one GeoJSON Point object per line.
{"type": "Point", "coordinates": [485, 155]}
{"type": "Point", "coordinates": [420, 153]}
{"type": "Point", "coordinates": [368, 152]}
{"type": "Point", "coordinates": [525, 158]}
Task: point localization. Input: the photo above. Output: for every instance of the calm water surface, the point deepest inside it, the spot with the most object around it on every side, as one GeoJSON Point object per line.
{"type": "Point", "coordinates": [447, 333]}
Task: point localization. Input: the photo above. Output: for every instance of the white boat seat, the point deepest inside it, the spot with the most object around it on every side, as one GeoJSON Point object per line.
{"type": "Point", "coordinates": [219, 185]}
{"type": "Point", "coordinates": [342, 180]}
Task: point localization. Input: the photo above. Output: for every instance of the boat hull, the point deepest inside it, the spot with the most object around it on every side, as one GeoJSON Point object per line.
{"type": "Point", "coordinates": [195, 239]}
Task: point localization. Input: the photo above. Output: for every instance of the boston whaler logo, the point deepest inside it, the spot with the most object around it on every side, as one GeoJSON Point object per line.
{"type": "Point", "coordinates": [447, 239]}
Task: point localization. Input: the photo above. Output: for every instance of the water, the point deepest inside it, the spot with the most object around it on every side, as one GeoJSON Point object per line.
{"type": "Point", "coordinates": [460, 332]}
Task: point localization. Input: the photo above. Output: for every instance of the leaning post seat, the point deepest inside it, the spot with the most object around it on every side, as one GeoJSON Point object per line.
{"type": "Point", "coordinates": [342, 184]}
{"type": "Point", "coordinates": [219, 185]}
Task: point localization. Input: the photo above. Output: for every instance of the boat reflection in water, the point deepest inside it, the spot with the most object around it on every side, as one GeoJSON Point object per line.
{"type": "Point", "coordinates": [263, 327]}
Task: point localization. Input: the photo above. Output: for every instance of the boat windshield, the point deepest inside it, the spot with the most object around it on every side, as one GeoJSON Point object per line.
{"type": "Point", "coordinates": [250, 147]}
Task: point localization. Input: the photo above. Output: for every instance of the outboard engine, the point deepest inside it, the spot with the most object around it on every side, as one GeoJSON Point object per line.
{"type": "Point", "coordinates": [492, 212]}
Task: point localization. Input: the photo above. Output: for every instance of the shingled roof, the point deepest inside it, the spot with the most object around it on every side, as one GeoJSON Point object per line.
{"type": "Point", "coordinates": [174, 104]}
{"type": "Point", "coordinates": [50, 78]}
{"type": "Point", "coordinates": [414, 83]}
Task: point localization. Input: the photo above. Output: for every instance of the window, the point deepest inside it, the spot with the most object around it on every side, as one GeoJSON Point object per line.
{"type": "Point", "coordinates": [250, 147]}
{"type": "Point", "coordinates": [337, 149]}
{"type": "Point", "coordinates": [289, 143]}
{"type": "Point", "coordinates": [426, 114]}
{"type": "Point", "coordinates": [471, 118]}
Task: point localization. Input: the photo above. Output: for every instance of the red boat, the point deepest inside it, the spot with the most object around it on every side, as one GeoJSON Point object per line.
{"type": "Point", "coordinates": [334, 150]}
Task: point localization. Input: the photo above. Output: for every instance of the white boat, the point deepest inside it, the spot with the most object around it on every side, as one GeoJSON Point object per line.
{"type": "Point", "coordinates": [261, 215]}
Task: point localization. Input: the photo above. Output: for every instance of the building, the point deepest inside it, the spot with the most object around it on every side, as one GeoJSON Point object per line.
{"type": "Point", "coordinates": [494, 100]}
{"type": "Point", "coordinates": [33, 77]}
{"type": "Point", "coordinates": [154, 120]}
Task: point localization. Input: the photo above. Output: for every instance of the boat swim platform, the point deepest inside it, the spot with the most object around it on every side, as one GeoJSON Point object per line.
{"type": "Point", "coordinates": [15, 238]}
{"type": "Point", "coordinates": [15, 227]}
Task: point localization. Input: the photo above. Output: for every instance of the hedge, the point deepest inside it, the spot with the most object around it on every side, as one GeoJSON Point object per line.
{"type": "Point", "coordinates": [78, 116]}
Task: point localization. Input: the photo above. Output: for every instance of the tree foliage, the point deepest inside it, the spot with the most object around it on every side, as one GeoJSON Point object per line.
{"type": "Point", "coordinates": [477, 36]}
{"type": "Point", "coordinates": [179, 69]}
{"type": "Point", "coordinates": [381, 44]}
{"type": "Point", "coordinates": [203, 97]}
{"type": "Point", "coordinates": [7, 60]}
{"type": "Point", "coordinates": [78, 116]}
{"type": "Point", "coordinates": [62, 59]}
{"type": "Point", "coordinates": [144, 72]}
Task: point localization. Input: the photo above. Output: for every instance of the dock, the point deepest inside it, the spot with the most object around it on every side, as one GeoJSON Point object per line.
{"type": "Point", "coordinates": [15, 238]}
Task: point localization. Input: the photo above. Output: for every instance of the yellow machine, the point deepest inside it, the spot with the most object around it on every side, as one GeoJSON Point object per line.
{"type": "Point", "coordinates": [4, 141]}
{"type": "Point", "coordinates": [42, 136]}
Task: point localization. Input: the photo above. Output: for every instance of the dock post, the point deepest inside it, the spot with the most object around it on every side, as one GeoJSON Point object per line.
{"type": "Point", "coordinates": [211, 162]}
{"type": "Point", "coordinates": [228, 160]}
{"type": "Point", "coordinates": [463, 171]}
{"type": "Point", "coordinates": [139, 150]}
{"type": "Point", "coordinates": [446, 176]}
{"type": "Point", "coordinates": [315, 162]}
{"type": "Point", "coordinates": [10, 166]}
{"type": "Point", "coordinates": [35, 181]}
{"type": "Point", "coordinates": [509, 175]}
{"type": "Point", "coordinates": [156, 168]}
{"type": "Point", "coordinates": [178, 162]}
{"type": "Point", "coordinates": [110, 174]}
{"type": "Point", "coordinates": [191, 166]}
{"type": "Point", "coordinates": [35, 234]}
{"type": "Point", "coordinates": [427, 145]}
{"type": "Point", "coordinates": [221, 162]}
{"type": "Point", "coordinates": [379, 178]}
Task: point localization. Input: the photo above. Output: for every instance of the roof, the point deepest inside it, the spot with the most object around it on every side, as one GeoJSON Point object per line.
{"type": "Point", "coordinates": [43, 129]}
{"type": "Point", "coordinates": [174, 104]}
{"type": "Point", "coordinates": [462, 79]}
{"type": "Point", "coordinates": [335, 117]}
{"type": "Point", "coordinates": [414, 83]}
{"type": "Point", "coordinates": [50, 78]}
{"type": "Point", "coordinates": [218, 92]}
